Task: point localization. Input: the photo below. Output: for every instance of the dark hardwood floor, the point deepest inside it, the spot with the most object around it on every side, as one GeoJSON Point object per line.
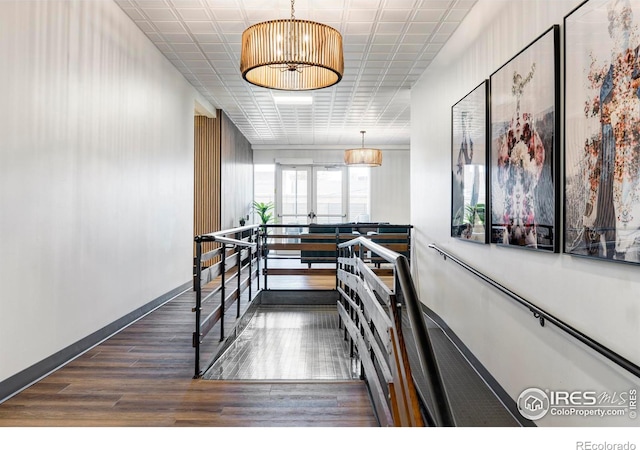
{"type": "Point", "coordinates": [142, 377]}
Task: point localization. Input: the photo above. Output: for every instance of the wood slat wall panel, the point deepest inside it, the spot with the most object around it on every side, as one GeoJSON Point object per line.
{"type": "Point", "coordinates": [207, 178]}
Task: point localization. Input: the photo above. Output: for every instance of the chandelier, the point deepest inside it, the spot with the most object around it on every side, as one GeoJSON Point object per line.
{"type": "Point", "coordinates": [371, 157]}
{"type": "Point", "coordinates": [291, 54]}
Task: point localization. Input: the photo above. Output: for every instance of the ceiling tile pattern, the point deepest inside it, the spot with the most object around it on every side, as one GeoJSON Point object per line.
{"type": "Point", "coordinates": [388, 44]}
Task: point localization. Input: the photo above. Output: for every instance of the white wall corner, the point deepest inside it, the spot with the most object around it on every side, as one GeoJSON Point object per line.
{"type": "Point", "coordinates": [202, 107]}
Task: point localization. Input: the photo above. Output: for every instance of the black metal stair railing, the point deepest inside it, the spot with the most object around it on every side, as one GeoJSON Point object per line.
{"type": "Point", "coordinates": [317, 245]}
{"type": "Point", "coordinates": [224, 266]}
{"type": "Point", "coordinates": [372, 313]}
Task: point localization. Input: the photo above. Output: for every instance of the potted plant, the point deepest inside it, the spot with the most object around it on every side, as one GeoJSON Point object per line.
{"type": "Point", "coordinates": [264, 210]}
{"type": "Point", "coordinates": [474, 218]}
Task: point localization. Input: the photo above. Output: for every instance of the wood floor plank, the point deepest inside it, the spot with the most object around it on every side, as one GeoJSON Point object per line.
{"type": "Point", "coordinates": [143, 376]}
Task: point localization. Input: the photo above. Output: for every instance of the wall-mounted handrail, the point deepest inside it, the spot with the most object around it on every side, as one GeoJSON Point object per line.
{"type": "Point", "coordinates": [543, 316]}
{"type": "Point", "coordinates": [406, 294]}
{"type": "Point", "coordinates": [219, 270]}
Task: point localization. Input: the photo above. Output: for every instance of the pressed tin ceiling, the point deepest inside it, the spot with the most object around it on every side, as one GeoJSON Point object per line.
{"type": "Point", "coordinates": [388, 44]}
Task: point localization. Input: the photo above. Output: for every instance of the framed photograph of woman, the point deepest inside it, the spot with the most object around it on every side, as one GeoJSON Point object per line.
{"type": "Point", "coordinates": [524, 147]}
{"type": "Point", "coordinates": [469, 122]}
{"type": "Point", "coordinates": [602, 123]}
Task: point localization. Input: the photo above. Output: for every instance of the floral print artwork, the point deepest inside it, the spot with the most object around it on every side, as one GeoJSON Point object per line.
{"type": "Point", "coordinates": [468, 166]}
{"type": "Point", "coordinates": [603, 132]}
{"type": "Point", "coordinates": [523, 105]}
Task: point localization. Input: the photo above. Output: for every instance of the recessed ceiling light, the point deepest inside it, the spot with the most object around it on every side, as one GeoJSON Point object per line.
{"type": "Point", "coordinates": [293, 100]}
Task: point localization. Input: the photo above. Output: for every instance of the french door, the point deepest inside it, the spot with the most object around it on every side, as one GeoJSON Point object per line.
{"type": "Point", "coordinates": [311, 194]}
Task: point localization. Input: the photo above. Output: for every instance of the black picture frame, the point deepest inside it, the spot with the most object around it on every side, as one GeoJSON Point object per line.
{"type": "Point", "coordinates": [602, 131]}
{"type": "Point", "coordinates": [469, 158]}
{"type": "Point", "coordinates": [525, 147]}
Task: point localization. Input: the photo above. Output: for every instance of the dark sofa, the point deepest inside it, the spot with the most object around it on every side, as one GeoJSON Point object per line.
{"type": "Point", "coordinates": [327, 234]}
{"type": "Point", "coordinates": [324, 234]}
{"type": "Point", "coordinates": [397, 238]}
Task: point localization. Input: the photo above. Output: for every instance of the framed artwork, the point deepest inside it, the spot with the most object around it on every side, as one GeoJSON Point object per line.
{"type": "Point", "coordinates": [602, 139]}
{"type": "Point", "coordinates": [524, 147]}
{"type": "Point", "coordinates": [469, 122]}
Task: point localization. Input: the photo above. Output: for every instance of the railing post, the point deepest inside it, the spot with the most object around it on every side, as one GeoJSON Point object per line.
{"type": "Point", "coordinates": [337, 246]}
{"type": "Point", "coordinates": [340, 251]}
{"type": "Point", "coordinates": [239, 237]}
{"type": "Point", "coordinates": [349, 291]}
{"type": "Point", "coordinates": [258, 252]}
{"type": "Point", "coordinates": [197, 276]}
{"type": "Point", "coordinates": [338, 266]}
{"type": "Point", "coordinates": [250, 264]}
{"type": "Point", "coordinates": [223, 292]}
{"type": "Point", "coordinates": [353, 314]}
{"type": "Point", "coordinates": [266, 255]}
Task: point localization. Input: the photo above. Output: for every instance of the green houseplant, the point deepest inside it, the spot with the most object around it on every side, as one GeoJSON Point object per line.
{"type": "Point", "coordinates": [264, 210]}
{"type": "Point", "coordinates": [474, 213]}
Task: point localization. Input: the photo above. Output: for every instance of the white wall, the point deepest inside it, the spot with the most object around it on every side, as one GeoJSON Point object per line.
{"type": "Point", "coordinates": [236, 174]}
{"type": "Point", "coordinates": [599, 298]}
{"type": "Point", "coordinates": [96, 174]}
{"type": "Point", "coordinates": [390, 188]}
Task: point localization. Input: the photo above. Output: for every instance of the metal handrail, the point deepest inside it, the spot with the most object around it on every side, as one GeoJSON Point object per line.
{"type": "Point", "coordinates": [215, 236]}
{"type": "Point", "coordinates": [386, 254]}
{"type": "Point", "coordinates": [543, 316]}
{"type": "Point", "coordinates": [230, 241]}
{"type": "Point", "coordinates": [429, 366]}
{"type": "Point", "coordinates": [202, 327]}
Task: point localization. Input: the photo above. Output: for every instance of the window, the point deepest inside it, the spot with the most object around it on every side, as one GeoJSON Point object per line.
{"type": "Point", "coordinates": [315, 194]}
{"type": "Point", "coordinates": [264, 179]}
{"type": "Point", "coordinates": [359, 194]}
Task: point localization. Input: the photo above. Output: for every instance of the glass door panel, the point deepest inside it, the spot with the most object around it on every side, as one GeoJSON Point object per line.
{"type": "Point", "coordinates": [295, 195]}
{"type": "Point", "coordinates": [359, 194]}
{"type": "Point", "coordinates": [309, 194]}
{"type": "Point", "coordinates": [329, 194]}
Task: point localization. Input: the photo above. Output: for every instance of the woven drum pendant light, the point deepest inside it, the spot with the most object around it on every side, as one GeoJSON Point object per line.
{"type": "Point", "coordinates": [370, 157]}
{"type": "Point", "coordinates": [291, 54]}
